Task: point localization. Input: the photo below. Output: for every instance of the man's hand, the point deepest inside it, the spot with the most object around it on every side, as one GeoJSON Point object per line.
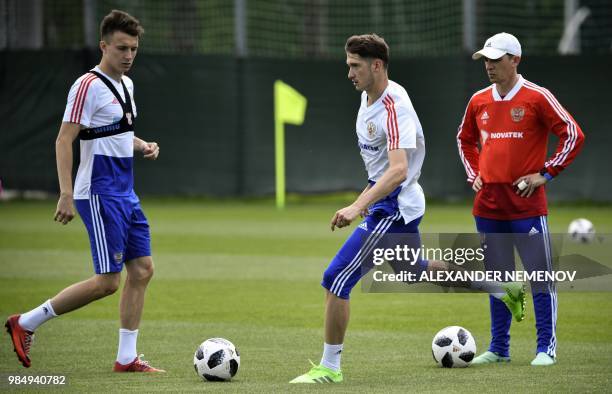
{"type": "Point", "coordinates": [150, 150]}
{"type": "Point", "coordinates": [533, 181]}
{"type": "Point", "coordinates": [477, 184]}
{"type": "Point", "coordinates": [346, 215]}
{"type": "Point", "coordinates": [65, 211]}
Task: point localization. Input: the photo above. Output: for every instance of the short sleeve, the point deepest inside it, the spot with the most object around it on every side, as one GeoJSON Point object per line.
{"type": "Point", "coordinates": [400, 126]}
{"type": "Point", "coordinates": [81, 103]}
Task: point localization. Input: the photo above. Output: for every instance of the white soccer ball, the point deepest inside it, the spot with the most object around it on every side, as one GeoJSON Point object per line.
{"type": "Point", "coordinates": [216, 359]}
{"type": "Point", "coordinates": [581, 230]}
{"type": "Point", "coordinates": [453, 347]}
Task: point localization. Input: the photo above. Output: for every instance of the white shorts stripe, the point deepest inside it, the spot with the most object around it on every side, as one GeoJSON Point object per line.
{"type": "Point", "coordinates": [365, 245]}
{"type": "Point", "coordinates": [363, 253]}
{"type": "Point", "coordinates": [375, 236]}
{"type": "Point", "coordinates": [555, 300]}
{"type": "Point", "coordinates": [551, 288]}
{"type": "Point", "coordinates": [102, 235]}
{"type": "Point", "coordinates": [94, 221]}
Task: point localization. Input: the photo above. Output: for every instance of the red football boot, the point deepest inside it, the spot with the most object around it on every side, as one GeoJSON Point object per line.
{"type": "Point", "coordinates": [137, 365]}
{"type": "Point", "coordinates": [22, 339]}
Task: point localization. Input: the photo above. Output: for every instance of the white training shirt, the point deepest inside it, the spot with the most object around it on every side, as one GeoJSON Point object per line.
{"type": "Point", "coordinates": [106, 163]}
{"type": "Point", "coordinates": [388, 124]}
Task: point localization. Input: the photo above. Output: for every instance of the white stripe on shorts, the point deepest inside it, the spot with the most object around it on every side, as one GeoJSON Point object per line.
{"type": "Point", "coordinates": [551, 288]}
{"type": "Point", "coordinates": [378, 232]}
{"type": "Point", "coordinates": [100, 234]}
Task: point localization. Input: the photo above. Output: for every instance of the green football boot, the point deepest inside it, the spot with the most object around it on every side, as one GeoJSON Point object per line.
{"type": "Point", "coordinates": [544, 360]}
{"type": "Point", "coordinates": [319, 374]}
{"type": "Point", "coordinates": [515, 299]}
{"type": "Point", "coordinates": [489, 358]}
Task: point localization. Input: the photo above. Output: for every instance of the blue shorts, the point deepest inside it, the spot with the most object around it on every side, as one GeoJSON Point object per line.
{"type": "Point", "coordinates": [531, 239]}
{"type": "Point", "coordinates": [355, 259]}
{"type": "Point", "coordinates": [118, 230]}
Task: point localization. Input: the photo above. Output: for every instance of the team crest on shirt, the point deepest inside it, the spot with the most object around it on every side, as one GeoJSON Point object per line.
{"type": "Point", "coordinates": [371, 129]}
{"type": "Point", "coordinates": [128, 115]}
{"type": "Point", "coordinates": [118, 257]}
{"type": "Point", "coordinates": [517, 113]}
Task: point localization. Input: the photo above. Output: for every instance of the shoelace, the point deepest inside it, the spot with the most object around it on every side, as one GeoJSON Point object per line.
{"type": "Point", "coordinates": [27, 342]}
{"type": "Point", "coordinates": [142, 364]}
{"type": "Point", "coordinates": [315, 367]}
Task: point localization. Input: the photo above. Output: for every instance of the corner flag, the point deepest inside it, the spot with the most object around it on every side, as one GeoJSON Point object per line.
{"type": "Point", "coordinates": [289, 107]}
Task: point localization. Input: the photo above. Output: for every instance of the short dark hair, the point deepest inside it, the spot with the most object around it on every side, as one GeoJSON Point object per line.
{"type": "Point", "coordinates": [368, 46]}
{"type": "Point", "coordinates": [118, 20]}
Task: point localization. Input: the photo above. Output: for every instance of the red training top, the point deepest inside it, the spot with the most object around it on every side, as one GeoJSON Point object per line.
{"type": "Point", "coordinates": [513, 136]}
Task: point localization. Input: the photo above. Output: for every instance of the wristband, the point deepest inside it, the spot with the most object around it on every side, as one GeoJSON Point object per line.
{"type": "Point", "coordinates": [544, 172]}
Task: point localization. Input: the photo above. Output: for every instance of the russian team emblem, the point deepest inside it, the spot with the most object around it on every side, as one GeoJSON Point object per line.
{"type": "Point", "coordinates": [517, 114]}
{"type": "Point", "coordinates": [371, 129]}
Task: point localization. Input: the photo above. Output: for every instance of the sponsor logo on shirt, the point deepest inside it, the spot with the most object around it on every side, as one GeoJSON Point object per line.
{"type": "Point", "coordinates": [368, 147]}
{"type": "Point", "coordinates": [517, 113]}
{"type": "Point", "coordinates": [506, 134]}
{"type": "Point", "coordinates": [111, 127]}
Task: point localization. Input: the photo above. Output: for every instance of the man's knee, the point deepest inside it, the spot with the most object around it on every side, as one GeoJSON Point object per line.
{"type": "Point", "coordinates": [107, 284]}
{"type": "Point", "coordinates": [140, 269]}
{"type": "Point", "coordinates": [328, 277]}
{"type": "Point", "coordinates": [333, 298]}
{"type": "Point", "coordinates": [338, 282]}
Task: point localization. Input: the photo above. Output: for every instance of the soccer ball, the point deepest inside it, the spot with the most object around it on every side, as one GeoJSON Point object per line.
{"type": "Point", "coordinates": [581, 230]}
{"type": "Point", "coordinates": [216, 359]}
{"type": "Point", "coordinates": [453, 347]}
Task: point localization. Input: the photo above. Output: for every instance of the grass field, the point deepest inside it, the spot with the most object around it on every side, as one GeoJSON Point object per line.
{"type": "Point", "coordinates": [249, 273]}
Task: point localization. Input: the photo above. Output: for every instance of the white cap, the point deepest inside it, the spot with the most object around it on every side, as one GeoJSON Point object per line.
{"type": "Point", "coordinates": [498, 45]}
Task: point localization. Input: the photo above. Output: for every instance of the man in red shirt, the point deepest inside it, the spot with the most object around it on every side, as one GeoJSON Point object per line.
{"type": "Point", "coordinates": [502, 142]}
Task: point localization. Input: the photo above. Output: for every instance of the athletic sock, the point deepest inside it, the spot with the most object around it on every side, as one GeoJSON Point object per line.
{"type": "Point", "coordinates": [127, 346]}
{"type": "Point", "coordinates": [331, 356]}
{"type": "Point", "coordinates": [33, 319]}
{"type": "Point", "coordinates": [493, 288]}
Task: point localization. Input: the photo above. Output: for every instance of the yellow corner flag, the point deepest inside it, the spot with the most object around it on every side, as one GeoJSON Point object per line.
{"type": "Point", "coordinates": [289, 107]}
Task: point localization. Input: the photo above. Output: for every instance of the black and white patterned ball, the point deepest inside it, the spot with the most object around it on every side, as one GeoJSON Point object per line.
{"type": "Point", "coordinates": [217, 360]}
{"type": "Point", "coordinates": [453, 347]}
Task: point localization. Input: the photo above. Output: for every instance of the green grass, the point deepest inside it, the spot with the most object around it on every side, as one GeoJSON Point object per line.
{"type": "Point", "coordinates": [249, 273]}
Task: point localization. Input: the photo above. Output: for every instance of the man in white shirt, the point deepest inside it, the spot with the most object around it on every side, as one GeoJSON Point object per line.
{"type": "Point", "coordinates": [102, 113]}
{"type": "Point", "coordinates": [392, 146]}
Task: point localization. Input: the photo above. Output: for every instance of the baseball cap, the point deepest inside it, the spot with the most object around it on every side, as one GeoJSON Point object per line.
{"type": "Point", "coordinates": [498, 45]}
